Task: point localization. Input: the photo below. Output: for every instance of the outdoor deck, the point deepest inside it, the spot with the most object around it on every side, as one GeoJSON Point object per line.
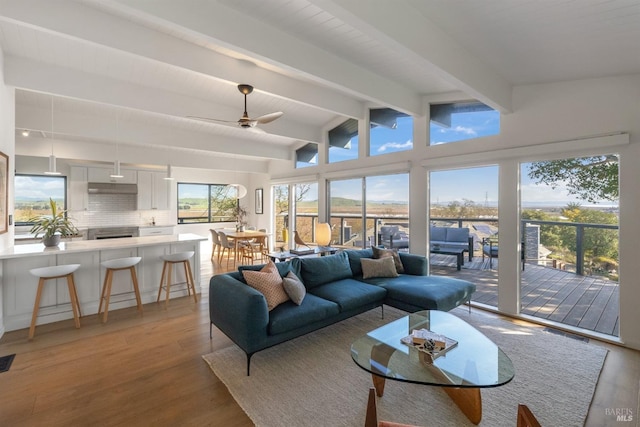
{"type": "Point", "coordinates": [586, 302]}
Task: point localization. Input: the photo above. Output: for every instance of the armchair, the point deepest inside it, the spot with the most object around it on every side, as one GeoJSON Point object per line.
{"type": "Point", "coordinates": [490, 248]}
{"type": "Point", "coordinates": [390, 236]}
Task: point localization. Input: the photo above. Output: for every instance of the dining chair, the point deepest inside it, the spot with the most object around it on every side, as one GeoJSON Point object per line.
{"type": "Point", "coordinates": [255, 248]}
{"type": "Point", "coordinates": [227, 246]}
{"type": "Point", "coordinates": [216, 243]}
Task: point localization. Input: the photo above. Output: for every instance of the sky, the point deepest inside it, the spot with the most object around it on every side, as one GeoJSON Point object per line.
{"type": "Point", "coordinates": [479, 184]}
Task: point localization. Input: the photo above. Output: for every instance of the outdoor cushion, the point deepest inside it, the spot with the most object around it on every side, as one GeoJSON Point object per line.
{"type": "Point", "coordinates": [438, 233]}
{"type": "Point", "coordinates": [491, 250]}
{"type": "Point", "coordinates": [460, 235]}
{"type": "Point", "coordinates": [320, 270]}
{"type": "Point", "coordinates": [289, 316]}
{"type": "Point", "coordinates": [350, 293]}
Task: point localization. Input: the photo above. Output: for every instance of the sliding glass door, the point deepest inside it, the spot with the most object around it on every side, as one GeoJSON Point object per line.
{"type": "Point", "coordinates": [569, 222]}
{"type": "Point", "coordinates": [463, 204]}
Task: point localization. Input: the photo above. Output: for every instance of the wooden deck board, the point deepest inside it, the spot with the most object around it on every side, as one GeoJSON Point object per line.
{"type": "Point", "coordinates": [595, 312]}
{"type": "Point", "coordinates": [608, 322]}
{"type": "Point", "coordinates": [587, 302]}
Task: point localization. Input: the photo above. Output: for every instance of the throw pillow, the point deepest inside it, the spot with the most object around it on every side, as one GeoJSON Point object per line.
{"type": "Point", "coordinates": [382, 267]}
{"type": "Point", "coordinates": [294, 287]}
{"type": "Point", "coordinates": [381, 253]}
{"type": "Point", "coordinates": [268, 282]}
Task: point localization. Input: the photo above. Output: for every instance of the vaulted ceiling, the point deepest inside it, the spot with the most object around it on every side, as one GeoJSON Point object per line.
{"type": "Point", "coordinates": [133, 70]}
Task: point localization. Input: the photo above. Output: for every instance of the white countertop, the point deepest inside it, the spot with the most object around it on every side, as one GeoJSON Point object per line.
{"type": "Point", "coordinates": [19, 251]}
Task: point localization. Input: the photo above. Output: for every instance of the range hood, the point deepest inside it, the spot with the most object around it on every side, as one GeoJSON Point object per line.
{"type": "Point", "coordinates": [112, 188]}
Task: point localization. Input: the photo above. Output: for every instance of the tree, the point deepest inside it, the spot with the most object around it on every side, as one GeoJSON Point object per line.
{"type": "Point", "coordinates": [549, 234]}
{"type": "Point", "coordinates": [589, 178]}
{"type": "Point", "coordinates": [281, 203]}
{"type": "Point", "coordinates": [597, 242]}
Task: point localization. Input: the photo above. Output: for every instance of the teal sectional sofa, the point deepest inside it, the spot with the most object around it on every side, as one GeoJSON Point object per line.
{"type": "Point", "coordinates": [335, 290]}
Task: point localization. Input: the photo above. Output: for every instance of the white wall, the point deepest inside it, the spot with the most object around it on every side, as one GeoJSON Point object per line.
{"type": "Point", "coordinates": [7, 143]}
{"type": "Point", "coordinates": [549, 121]}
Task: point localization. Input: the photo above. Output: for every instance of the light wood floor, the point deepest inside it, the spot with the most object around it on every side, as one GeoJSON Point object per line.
{"type": "Point", "coordinates": [147, 370]}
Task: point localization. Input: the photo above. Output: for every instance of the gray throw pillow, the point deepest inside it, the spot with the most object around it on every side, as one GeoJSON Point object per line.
{"type": "Point", "coordinates": [383, 267]}
{"type": "Point", "coordinates": [382, 253]}
{"type": "Point", "coordinates": [294, 288]}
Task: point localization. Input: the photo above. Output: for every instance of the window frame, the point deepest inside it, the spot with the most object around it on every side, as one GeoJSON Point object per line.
{"type": "Point", "coordinates": [65, 195]}
{"type": "Point", "coordinates": [209, 220]}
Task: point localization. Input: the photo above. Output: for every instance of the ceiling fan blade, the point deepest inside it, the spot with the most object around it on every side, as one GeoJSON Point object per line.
{"type": "Point", "coordinates": [207, 119]}
{"type": "Point", "coordinates": [268, 118]}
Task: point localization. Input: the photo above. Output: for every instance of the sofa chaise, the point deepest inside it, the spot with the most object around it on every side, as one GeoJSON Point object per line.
{"type": "Point", "coordinates": [336, 289]}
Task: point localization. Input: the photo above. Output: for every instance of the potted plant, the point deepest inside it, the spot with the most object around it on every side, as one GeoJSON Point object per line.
{"type": "Point", "coordinates": [241, 217]}
{"type": "Point", "coordinates": [53, 226]}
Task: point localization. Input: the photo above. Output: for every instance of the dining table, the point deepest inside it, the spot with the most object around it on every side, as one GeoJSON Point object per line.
{"type": "Point", "coordinates": [239, 236]}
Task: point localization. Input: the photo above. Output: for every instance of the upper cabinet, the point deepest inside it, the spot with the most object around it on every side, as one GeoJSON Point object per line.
{"type": "Point", "coordinates": [78, 196]}
{"type": "Point", "coordinates": [104, 175]}
{"type": "Point", "coordinates": [153, 190]}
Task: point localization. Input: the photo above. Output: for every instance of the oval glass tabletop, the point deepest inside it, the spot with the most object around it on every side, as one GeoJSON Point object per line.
{"type": "Point", "coordinates": [475, 361]}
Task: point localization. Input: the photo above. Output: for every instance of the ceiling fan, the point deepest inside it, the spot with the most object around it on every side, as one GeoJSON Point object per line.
{"type": "Point", "coordinates": [245, 121]}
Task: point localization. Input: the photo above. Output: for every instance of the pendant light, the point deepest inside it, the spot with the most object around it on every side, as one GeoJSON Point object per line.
{"type": "Point", "coordinates": [52, 159]}
{"type": "Point", "coordinates": [241, 190]}
{"type": "Point", "coordinates": [116, 164]}
{"type": "Point", "coordinates": [169, 176]}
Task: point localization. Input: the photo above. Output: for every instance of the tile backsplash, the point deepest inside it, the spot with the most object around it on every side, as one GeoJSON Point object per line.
{"type": "Point", "coordinates": [107, 210]}
{"type": "Point", "coordinates": [112, 202]}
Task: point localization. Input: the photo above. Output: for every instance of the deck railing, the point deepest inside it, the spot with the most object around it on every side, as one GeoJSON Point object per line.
{"type": "Point", "coordinates": [343, 232]}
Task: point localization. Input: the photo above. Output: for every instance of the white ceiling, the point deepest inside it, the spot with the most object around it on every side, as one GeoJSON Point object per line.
{"type": "Point", "coordinates": [148, 64]}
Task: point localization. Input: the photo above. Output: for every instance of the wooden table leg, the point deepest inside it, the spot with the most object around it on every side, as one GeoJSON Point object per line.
{"type": "Point", "coordinates": [380, 354]}
{"type": "Point", "coordinates": [468, 400]}
{"type": "Point", "coordinates": [378, 383]}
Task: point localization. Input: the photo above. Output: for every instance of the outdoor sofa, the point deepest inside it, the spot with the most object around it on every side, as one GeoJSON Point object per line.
{"type": "Point", "coordinates": [451, 237]}
{"type": "Point", "coordinates": [336, 289]}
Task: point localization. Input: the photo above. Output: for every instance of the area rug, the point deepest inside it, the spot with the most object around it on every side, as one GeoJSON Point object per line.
{"type": "Point", "coordinates": [312, 380]}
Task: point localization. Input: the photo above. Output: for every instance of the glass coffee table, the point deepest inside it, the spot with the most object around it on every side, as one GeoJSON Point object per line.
{"type": "Point", "coordinates": [474, 363]}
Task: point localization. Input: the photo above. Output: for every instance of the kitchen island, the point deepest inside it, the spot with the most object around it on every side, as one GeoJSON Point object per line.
{"type": "Point", "coordinates": [19, 286]}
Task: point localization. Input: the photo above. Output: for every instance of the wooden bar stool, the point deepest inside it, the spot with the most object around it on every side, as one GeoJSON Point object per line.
{"type": "Point", "coordinates": [118, 264]}
{"type": "Point", "coordinates": [167, 270]}
{"type": "Point", "coordinates": [55, 272]}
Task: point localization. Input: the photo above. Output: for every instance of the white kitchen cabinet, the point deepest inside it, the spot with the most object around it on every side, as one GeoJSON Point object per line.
{"type": "Point", "coordinates": [78, 196]}
{"type": "Point", "coordinates": [18, 290]}
{"type": "Point", "coordinates": [129, 176]}
{"type": "Point", "coordinates": [156, 231]}
{"type": "Point", "coordinates": [153, 190]}
{"type": "Point", "coordinates": [55, 304]}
